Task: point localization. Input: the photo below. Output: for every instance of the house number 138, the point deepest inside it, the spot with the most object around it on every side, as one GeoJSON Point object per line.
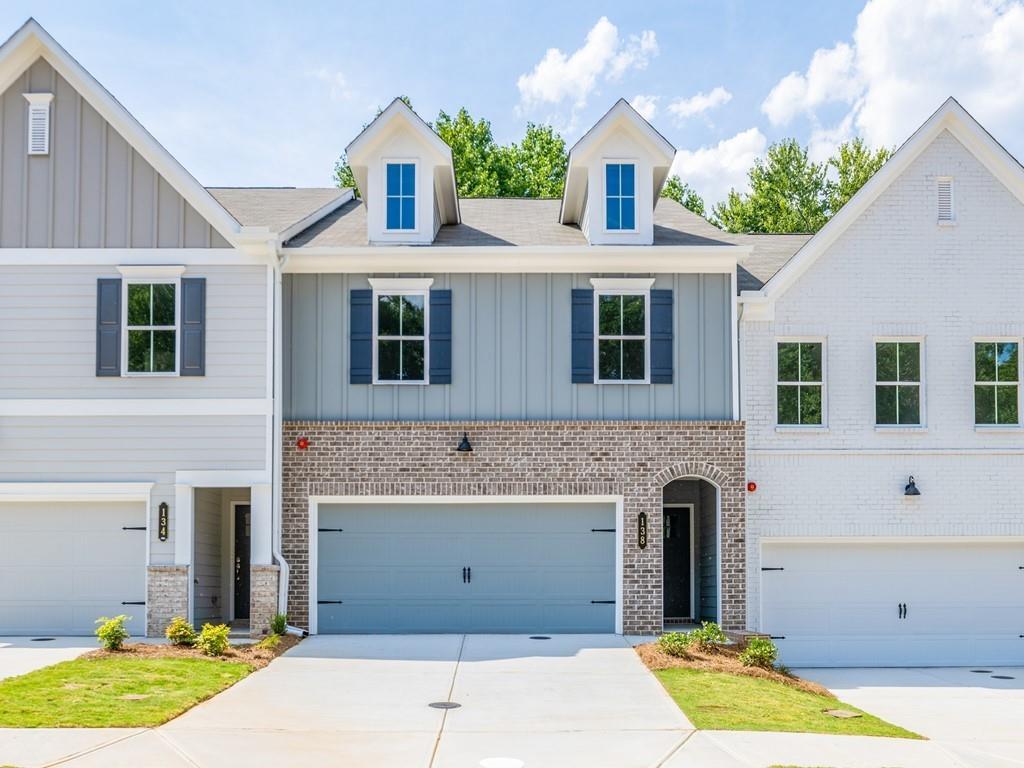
{"type": "Point", "coordinates": [641, 530]}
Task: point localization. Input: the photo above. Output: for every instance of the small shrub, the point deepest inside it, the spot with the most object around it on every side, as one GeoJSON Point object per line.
{"type": "Point", "coordinates": [112, 632]}
{"type": "Point", "coordinates": [708, 637]}
{"type": "Point", "coordinates": [674, 644]}
{"type": "Point", "coordinates": [279, 624]}
{"type": "Point", "coordinates": [760, 652]}
{"type": "Point", "coordinates": [213, 639]}
{"type": "Point", "coordinates": [180, 632]}
{"type": "Point", "coordinates": [270, 642]}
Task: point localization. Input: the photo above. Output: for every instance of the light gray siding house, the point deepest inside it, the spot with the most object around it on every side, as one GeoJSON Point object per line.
{"type": "Point", "coordinates": [136, 368]}
{"type": "Point", "coordinates": [513, 415]}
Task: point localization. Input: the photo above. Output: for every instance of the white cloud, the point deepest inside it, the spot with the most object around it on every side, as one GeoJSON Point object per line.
{"type": "Point", "coordinates": [335, 81]}
{"type": "Point", "coordinates": [646, 105]}
{"type": "Point", "coordinates": [699, 103]}
{"type": "Point", "coordinates": [561, 78]}
{"type": "Point", "coordinates": [903, 61]}
{"type": "Point", "coordinates": [713, 171]}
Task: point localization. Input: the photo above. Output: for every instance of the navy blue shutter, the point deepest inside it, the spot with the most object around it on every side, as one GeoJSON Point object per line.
{"type": "Point", "coordinates": [193, 327]}
{"type": "Point", "coordinates": [440, 336]}
{"type": "Point", "coordinates": [582, 336]}
{"type": "Point", "coordinates": [361, 336]}
{"type": "Point", "coordinates": [108, 326]}
{"type": "Point", "coordinates": [661, 336]}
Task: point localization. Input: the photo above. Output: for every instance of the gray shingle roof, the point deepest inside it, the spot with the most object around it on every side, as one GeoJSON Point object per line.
{"type": "Point", "coordinates": [275, 207]}
{"type": "Point", "coordinates": [525, 222]}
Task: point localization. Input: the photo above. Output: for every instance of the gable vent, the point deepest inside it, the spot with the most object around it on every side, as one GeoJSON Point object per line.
{"type": "Point", "coordinates": [945, 189]}
{"type": "Point", "coordinates": [39, 123]}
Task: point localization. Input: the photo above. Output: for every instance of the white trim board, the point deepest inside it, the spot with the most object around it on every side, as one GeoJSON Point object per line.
{"type": "Point", "coordinates": [75, 492]}
{"type": "Point", "coordinates": [138, 406]}
{"type": "Point", "coordinates": [226, 478]}
{"type": "Point", "coordinates": [316, 501]}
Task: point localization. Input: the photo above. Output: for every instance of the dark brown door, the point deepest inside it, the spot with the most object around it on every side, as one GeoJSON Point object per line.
{"type": "Point", "coordinates": [678, 588]}
{"type": "Point", "coordinates": [243, 518]}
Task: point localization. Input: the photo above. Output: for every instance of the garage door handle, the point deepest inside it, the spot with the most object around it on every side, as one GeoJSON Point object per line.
{"type": "Point", "coordinates": [463, 574]}
{"type": "Point", "coordinates": [133, 602]}
{"type": "Point", "coordinates": [133, 527]}
{"type": "Point", "coordinates": [329, 602]}
{"type": "Point", "coordinates": [602, 602]}
{"type": "Point", "coordinates": [469, 575]}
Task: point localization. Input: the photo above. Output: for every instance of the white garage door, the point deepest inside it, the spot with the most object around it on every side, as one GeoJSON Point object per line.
{"type": "Point", "coordinates": [866, 603]}
{"type": "Point", "coordinates": [64, 564]}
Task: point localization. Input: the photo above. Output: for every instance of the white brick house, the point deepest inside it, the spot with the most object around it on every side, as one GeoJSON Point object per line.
{"type": "Point", "coordinates": [843, 566]}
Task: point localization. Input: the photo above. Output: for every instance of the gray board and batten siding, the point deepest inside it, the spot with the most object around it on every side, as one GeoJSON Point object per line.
{"type": "Point", "coordinates": [92, 190]}
{"type": "Point", "coordinates": [511, 354]}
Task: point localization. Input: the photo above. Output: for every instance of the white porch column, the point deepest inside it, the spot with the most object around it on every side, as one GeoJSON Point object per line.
{"type": "Point", "coordinates": [262, 528]}
{"type": "Point", "coordinates": [183, 520]}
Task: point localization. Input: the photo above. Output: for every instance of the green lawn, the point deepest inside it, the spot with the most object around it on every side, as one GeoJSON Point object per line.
{"type": "Point", "coordinates": [720, 701]}
{"type": "Point", "coordinates": [112, 692]}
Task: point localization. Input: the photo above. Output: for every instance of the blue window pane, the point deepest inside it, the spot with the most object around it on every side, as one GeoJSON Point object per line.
{"type": "Point", "coordinates": [628, 220]}
{"type": "Point", "coordinates": [627, 179]}
{"type": "Point", "coordinates": [394, 179]}
{"type": "Point", "coordinates": [613, 213]}
{"type": "Point", "coordinates": [611, 179]}
{"type": "Point", "coordinates": [408, 213]}
{"type": "Point", "coordinates": [408, 179]}
{"type": "Point", "coordinates": [394, 213]}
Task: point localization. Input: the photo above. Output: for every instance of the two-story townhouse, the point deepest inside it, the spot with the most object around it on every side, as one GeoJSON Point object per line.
{"type": "Point", "coordinates": [512, 415]}
{"type": "Point", "coordinates": [881, 390]}
{"type": "Point", "coordinates": [136, 365]}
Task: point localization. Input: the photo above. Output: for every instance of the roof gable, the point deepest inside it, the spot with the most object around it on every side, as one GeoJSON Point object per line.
{"type": "Point", "coordinates": [952, 117]}
{"type": "Point", "coordinates": [31, 42]}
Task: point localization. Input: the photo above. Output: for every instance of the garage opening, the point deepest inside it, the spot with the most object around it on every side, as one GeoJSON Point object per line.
{"type": "Point", "coordinates": [690, 542]}
{"type": "Point", "coordinates": [534, 567]}
{"type": "Point", "coordinates": [221, 556]}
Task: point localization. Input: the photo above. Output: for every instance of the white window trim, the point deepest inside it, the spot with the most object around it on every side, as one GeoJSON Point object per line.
{"type": "Point", "coordinates": [996, 340]}
{"type": "Point", "coordinates": [923, 423]}
{"type": "Point", "coordinates": [392, 286]}
{"type": "Point", "coordinates": [384, 194]}
{"type": "Point", "coordinates": [823, 427]}
{"type": "Point", "coordinates": [604, 195]}
{"type": "Point", "coordinates": [136, 275]}
{"type": "Point", "coordinates": [623, 286]}
{"type": "Point", "coordinates": [952, 201]}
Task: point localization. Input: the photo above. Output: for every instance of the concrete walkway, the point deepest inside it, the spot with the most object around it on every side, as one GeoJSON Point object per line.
{"type": "Point", "coordinates": [363, 701]}
{"type": "Point", "coordinates": [19, 655]}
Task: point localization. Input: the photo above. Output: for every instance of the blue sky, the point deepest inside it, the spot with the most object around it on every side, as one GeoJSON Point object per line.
{"type": "Point", "coordinates": [257, 93]}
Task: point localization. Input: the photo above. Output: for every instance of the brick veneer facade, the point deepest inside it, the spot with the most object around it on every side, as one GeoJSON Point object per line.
{"type": "Point", "coordinates": [632, 459]}
{"type": "Point", "coordinates": [166, 596]}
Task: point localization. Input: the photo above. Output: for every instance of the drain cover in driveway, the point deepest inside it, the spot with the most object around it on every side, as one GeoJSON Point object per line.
{"type": "Point", "coordinates": [1003, 677]}
{"type": "Point", "coordinates": [444, 705]}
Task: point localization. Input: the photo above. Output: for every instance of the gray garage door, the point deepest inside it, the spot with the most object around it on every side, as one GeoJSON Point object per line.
{"type": "Point", "coordinates": [481, 567]}
{"type": "Point", "coordinates": [62, 565]}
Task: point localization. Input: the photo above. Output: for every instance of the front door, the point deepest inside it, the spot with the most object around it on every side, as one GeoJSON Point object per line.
{"type": "Point", "coordinates": [677, 553]}
{"type": "Point", "coordinates": [242, 530]}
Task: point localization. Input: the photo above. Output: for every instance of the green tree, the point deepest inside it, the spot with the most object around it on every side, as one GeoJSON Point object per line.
{"type": "Point", "coordinates": [343, 176]}
{"type": "Point", "coordinates": [678, 190]}
{"type": "Point", "coordinates": [473, 152]}
{"type": "Point", "coordinates": [535, 167]}
{"type": "Point", "coordinates": [854, 163]}
{"type": "Point", "coordinates": [788, 193]}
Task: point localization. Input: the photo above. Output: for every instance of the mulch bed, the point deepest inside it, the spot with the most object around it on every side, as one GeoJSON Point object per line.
{"type": "Point", "coordinates": [253, 654]}
{"type": "Point", "coordinates": [724, 659]}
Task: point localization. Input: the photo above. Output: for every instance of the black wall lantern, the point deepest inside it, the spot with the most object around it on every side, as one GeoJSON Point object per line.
{"type": "Point", "coordinates": [911, 488]}
{"type": "Point", "coordinates": [465, 446]}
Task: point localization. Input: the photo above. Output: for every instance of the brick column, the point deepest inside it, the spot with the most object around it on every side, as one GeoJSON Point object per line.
{"type": "Point", "coordinates": [263, 580]}
{"type": "Point", "coordinates": [166, 597]}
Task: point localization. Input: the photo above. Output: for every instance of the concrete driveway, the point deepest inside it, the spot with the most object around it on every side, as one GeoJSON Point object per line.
{"type": "Point", "coordinates": [19, 655]}
{"type": "Point", "coordinates": [972, 714]}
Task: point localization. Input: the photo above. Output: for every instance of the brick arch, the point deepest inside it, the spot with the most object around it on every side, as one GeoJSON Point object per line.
{"type": "Point", "coordinates": [700, 469]}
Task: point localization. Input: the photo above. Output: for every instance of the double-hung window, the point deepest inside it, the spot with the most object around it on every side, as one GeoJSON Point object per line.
{"type": "Point", "coordinates": [622, 335]}
{"type": "Point", "coordinates": [400, 196]}
{"type": "Point", "coordinates": [400, 340]}
{"type": "Point", "coordinates": [996, 380]}
{"type": "Point", "coordinates": [898, 383]}
{"type": "Point", "coordinates": [151, 327]}
{"type": "Point", "coordinates": [800, 383]}
{"type": "Point", "coordinates": [620, 196]}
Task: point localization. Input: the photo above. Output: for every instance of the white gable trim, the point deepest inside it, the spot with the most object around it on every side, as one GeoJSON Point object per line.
{"type": "Point", "coordinates": [31, 42]}
{"type": "Point", "coordinates": [949, 117]}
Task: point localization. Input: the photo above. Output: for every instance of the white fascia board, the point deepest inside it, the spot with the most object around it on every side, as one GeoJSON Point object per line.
{"type": "Point", "coordinates": [516, 259]}
{"type": "Point", "coordinates": [622, 283]}
{"type": "Point", "coordinates": [950, 116]}
{"type": "Point", "coordinates": [82, 257]}
{"type": "Point", "coordinates": [32, 41]}
{"type": "Point", "coordinates": [136, 406]}
{"type": "Point", "coordinates": [401, 283]}
{"type": "Point", "coordinates": [397, 109]}
{"type": "Point", "coordinates": [153, 271]}
{"type": "Point", "coordinates": [314, 217]}
{"type": "Point", "coordinates": [10, 492]}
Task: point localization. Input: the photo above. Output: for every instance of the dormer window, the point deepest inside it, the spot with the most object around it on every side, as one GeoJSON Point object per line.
{"type": "Point", "coordinates": [620, 197]}
{"type": "Point", "coordinates": [401, 196]}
